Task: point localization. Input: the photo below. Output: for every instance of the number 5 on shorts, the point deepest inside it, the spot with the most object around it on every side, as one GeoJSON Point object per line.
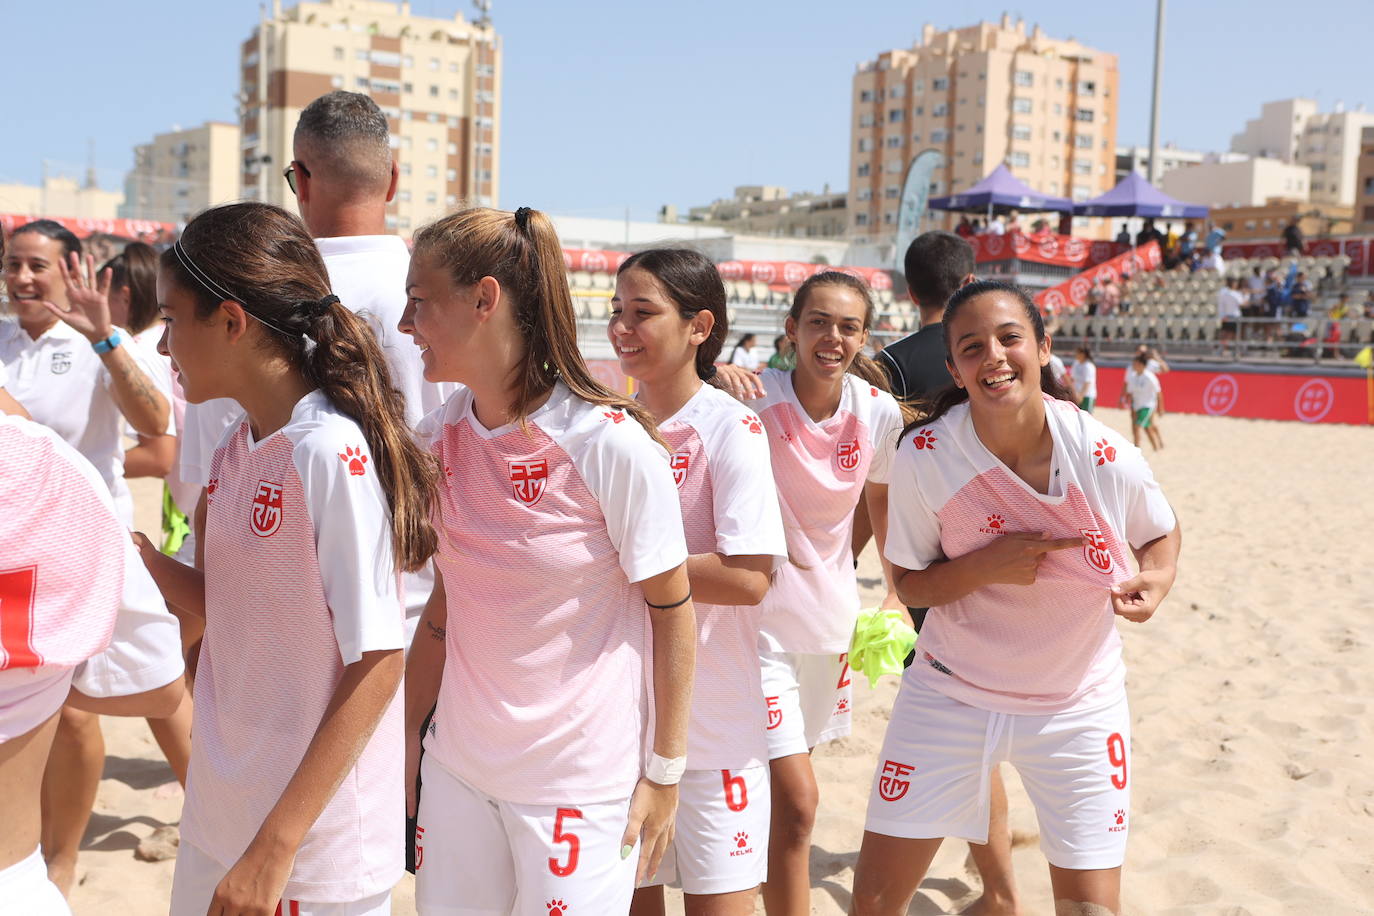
{"type": "Point", "coordinates": [736, 795]}
{"type": "Point", "coordinates": [574, 845]}
{"type": "Point", "coordinates": [1116, 755]}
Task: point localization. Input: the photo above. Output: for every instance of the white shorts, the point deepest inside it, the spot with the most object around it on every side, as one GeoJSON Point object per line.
{"type": "Point", "coordinates": [476, 856]}
{"type": "Point", "coordinates": [932, 778]}
{"type": "Point", "coordinates": [808, 699]}
{"type": "Point", "coordinates": [721, 840]}
{"type": "Point", "coordinates": [25, 888]}
{"type": "Point", "coordinates": [197, 875]}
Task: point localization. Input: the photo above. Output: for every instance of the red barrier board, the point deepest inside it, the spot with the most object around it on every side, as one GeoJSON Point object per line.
{"type": "Point", "coordinates": [1256, 395]}
{"type": "Point", "coordinates": [143, 229]}
{"type": "Point", "coordinates": [1360, 249]}
{"type": "Point", "coordinates": [1073, 293]}
{"type": "Point", "coordinates": [1046, 248]}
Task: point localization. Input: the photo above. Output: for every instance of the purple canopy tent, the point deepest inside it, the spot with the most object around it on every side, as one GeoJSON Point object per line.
{"type": "Point", "coordinates": [1135, 196]}
{"type": "Point", "coordinates": [999, 192]}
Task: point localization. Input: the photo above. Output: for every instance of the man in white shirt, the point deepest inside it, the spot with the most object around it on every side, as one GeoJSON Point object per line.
{"type": "Point", "coordinates": [1230, 299]}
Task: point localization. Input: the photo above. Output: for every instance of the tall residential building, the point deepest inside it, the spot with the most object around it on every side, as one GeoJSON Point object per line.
{"type": "Point", "coordinates": [437, 80]}
{"type": "Point", "coordinates": [1137, 159]}
{"type": "Point", "coordinates": [182, 172]}
{"type": "Point", "coordinates": [981, 95]}
{"type": "Point", "coordinates": [1294, 131]}
{"type": "Point", "coordinates": [1364, 183]}
{"type": "Point", "coordinates": [1240, 183]}
{"type": "Point", "coordinates": [60, 195]}
{"type": "Point", "coordinates": [770, 210]}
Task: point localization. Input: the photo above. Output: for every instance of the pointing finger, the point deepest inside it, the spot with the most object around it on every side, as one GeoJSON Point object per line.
{"type": "Point", "coordinates": [1060, 544]}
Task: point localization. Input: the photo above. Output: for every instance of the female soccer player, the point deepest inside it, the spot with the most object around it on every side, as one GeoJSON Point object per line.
{"type": "Point", "coordinates": [1084, 376]}
{"type": "Point", "coordinates": [1012, 512]}
{"type": "Point", "coordinates": [668, 321]}
{"type": "Point", "coordinates": [831, 428]}
{"type": "Point", "coordinates": [559, 638]}
{"type": "Point", "coordinates": [319, 498]}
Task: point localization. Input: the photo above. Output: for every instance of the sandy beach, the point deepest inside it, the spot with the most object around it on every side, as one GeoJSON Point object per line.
{"type": "Point", "coordinates": [1252, 693]}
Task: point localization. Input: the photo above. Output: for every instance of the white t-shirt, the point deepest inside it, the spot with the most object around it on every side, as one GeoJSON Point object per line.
{"type": "Point", "coordinates": [730, 507]}
{"type": "Point", "coordinates": [1085, 378]}
{"type": "Point", "coordinates": [1061, 374]}
{"type": "Point", "coordinates": [1229, 302]}
{"type": "Point", "coordinates": [544, 532]}
{"type": "Point", "coordinates": [820, 469]}
{"type": "Point", "coordinates": [1028, 649]}
{"type": "Point", "coordinates": [63, 384]}
{"type": "Point", "coordinates": [299, 582]}
{"type": "Point", "coordinates": [745, 357]}
{"type": "Point", "coordinates": [1142, 388]}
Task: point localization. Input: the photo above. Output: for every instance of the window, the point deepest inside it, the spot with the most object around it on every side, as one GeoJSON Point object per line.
{"type": "Point", "coordinates": [865, 194]}
{"type": "Point", "coordinates": [865, 95]}
{"type": "Point", "coordinates": [1056, 136]}
{"type": "Point", "coordinates": [432, 145]}
{"type": "Point", "coordinates": [453, 149]}
{"type": "Point", "coordinates": [940, 83]}
{"type": "Point", "coordinates": [889, 217]}
{"type": "Point", "coordinates": [451, 175]}
{"type": "Point", "coordinates": [1083, 141]}
{"type": "Point", "coordinates": [977, 158]}
{"type": "Point", "coordinates": [1084, 115]}
{"type": "Point", "coordinates": [1023, 78]}
{"type": "Point", "coordinates": [915, 138]}
{"type": "Point", "coordinates": [1020, 159]}
{"type": "Point", "coordinates": [1059, 83]}
{"type": "Point", "coordinates": [386, 58]}
{"type": "Point", "coordinates": [918, 86]}
{"type": "Point", "coordinates": [865, 144]}
{"type": "Point", "coordinates": [895, 116]}
{"type": "Point", "coordinates": [939, 135]}
{"type": "Point", "coordinates": [1082, 167]}
{"type": "Point", "coordinates": [920, 111]}
{"type": "Point", "coordinates": [453, 95]}
{"type": "Point", "coordinates": [1087, 87]}
{"type": "Point", "coordinates": [1022, 105]}
{"type": "Point", "coordinates": [1058, 109]}
{"type": "Point", "coordinates": [403, 196]}
{"type": "Point", "coordinates": [896, 92]}
{"type": "Point", "coordinates": [361, 53]}
{"type": "Point", "coordinates": [431, 171]}
{"type": "Point", "coordinates": [892, 192]}
{"type": "Point", "coordinates": [432, 117]}
{"type": "Point", "coordinates": [433, 92]}
{"type": "Point", "coordinates": [893, 142]}
{"type": "Point", "coordinates": [940, 111]}
{"type": "Point", "coordinates": [338, 53]}
{"type": "Point", "coordinates": [432, 197]}
{"type": "Point", "coordinates": [405, 168]}
{"type": "Point", "coordinates": [434, 63]}
{"type": "Point", "coordinates": [251, 60]}
{"type": "Point", "coordinates": [453, 121]}
{"type": "Point", "coordinates": [451, 200]}
{"type": "Point", "coordinates": [407, 61]}
{"type": "Point", "coordinates": [336, 82]}
{"type": "Point", "coordinates": [362, 83]}
{"type": "Point", "coordinates": [861, 219]}
{"type": "Point", "coordinates": [866, 120]}
{"type": "Point", "coordinates": [1020, 132]}
{"type": "Point", "coordinates": [862, 170]}
{"type": "Point", "coordinates": [1081, 191]}
{"type": "Point", "coordinates": [405, 141]}
{"type": "Point", "coordinates": [406, 115]}
{"type": "Point", "coordinates": [892, 166]}
{"type": "Point", "coordinates": [407, 87]}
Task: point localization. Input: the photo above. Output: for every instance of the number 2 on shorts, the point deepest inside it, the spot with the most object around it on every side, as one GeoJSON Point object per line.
{"type": "Point", "coordinates": [16, 618]}
{"type": "Point", "coordinates": [1116, 755]}
{"type": "Point", "coordinates": [574, 845]}
{"type": "Point", "coordinates": [736, 795]}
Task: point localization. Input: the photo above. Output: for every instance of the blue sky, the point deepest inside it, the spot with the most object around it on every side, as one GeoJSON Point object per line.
{"type": "Point", "coordinates": [626, 104]}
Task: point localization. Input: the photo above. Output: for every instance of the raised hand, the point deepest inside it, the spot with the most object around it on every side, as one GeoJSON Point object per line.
{"type": "Point", "coordinates": [88, 299]}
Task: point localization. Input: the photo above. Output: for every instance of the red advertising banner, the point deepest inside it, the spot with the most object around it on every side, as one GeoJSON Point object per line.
{"type": "Point", "coordinates": [596, 262]}
{"type": "Point", "coordinates": [141, 229]}
{"type": "Point", "coordinates": [773, 273]}
{"type": "Point", "coordinates": [1257, 395]}
{"type": "Point", "coordinates": [1360, 249]}
{"type": "Point", "coordinates": [1046, 248]}
{"type": "Point", "coordinates": [1073, 293]}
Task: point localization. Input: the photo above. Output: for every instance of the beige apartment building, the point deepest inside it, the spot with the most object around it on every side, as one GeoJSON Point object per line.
{"type": "Point", "coordinates": [770, 210]}
{"type": "Point", "coordinates": [182, 172]}
{"type": "Point", "coordinates": [60, 195]}
{"type": "Point", "coordinates": [437, 80]}
{"type": "Point", "coordinates": [1364, 184]}
{"type": "Point", "coordinates": [982, 95]}
{"type": "Point", "coordinates": [1240, 183]}
{"type": "Point", "coordinates": [1328, 143]}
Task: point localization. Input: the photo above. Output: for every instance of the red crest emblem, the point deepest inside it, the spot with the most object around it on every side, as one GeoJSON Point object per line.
{"type": "Point", "coordinates": [527, 479]}
{"type": "Point", "coordinates": [847, 455]}
{"type": "Point", "coordinates": [679, 462]}
{"type": "Point", "coordinates": [265, 516]}
{"type": "Point", "coordinates": [1095, 549]}
{"type": "Point", "coordinates": [774, 713]}
{"type": "Point", "coordinates": [891, 785]}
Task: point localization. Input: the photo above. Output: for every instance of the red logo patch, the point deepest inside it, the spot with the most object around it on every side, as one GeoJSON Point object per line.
{"type": "Point", "coordinates": [1095, 549]}
{"type": "Point", "coordinates": [615, 416]}
{"type": "Point", "coordinates": [753, 423]}
{"type": "Point", "coordinates": [774, 713]}
{"type": "Point", "coordinates": [528, 479]}
{"type": "Point", "coordinates": [1103, 452]}
{"type": "Point", "coordinates": [210, 488]}
{"type": "Point", "coordinates": [265, 516]}
{"type": "Point", "coordinates": [557, 908]}
{"type": "Point", "coordinates": [891, 785]}
{"type": "Point", "coordinates": [873, 391]}
{"type": "Point", "coordinates": [995, 521]}
{"type": "Point", "coordinates": [679, 462]}
{"type": "Point", "coordinates": [355, 459]}
{"type": "Point", "coordinates": [841, 707]}
{"type": "Point", "coordinates": [924, 439]}
{"type": "Point", "coordinates": [847, 455]}
{"type": "Point", "coordinates": [1118, 822]}
{"type": "Point", "coordinates": [742, 847]}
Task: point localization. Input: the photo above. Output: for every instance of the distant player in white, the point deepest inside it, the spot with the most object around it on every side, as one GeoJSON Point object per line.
{"type": "Point", "coordinates": [831, 433]}
{"type": "Point", "coordinates": [1142, 394]}
{"type": "Point", "coordinates": [1084, 376]}
{"type": "Point", "coordinates": [317, 499]}
{"type": "Point", "coordinates": [668, 321]}
{"type": "Point", "coordinates": [1013, 515]}
{"type": "Point", "coordinates": [559, 639]}
{"type": "Point", "coordinates": [72, 631]}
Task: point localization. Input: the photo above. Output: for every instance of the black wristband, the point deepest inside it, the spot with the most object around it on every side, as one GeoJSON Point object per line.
{"type": "Point", "coordinates": [669, 607]}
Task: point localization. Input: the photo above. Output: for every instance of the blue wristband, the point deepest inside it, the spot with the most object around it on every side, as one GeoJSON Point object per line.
{"type": "Point", "coordinates": [109, 343]}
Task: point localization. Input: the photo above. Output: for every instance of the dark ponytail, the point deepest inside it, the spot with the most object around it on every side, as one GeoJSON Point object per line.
{"type": "Point", "coordinates": [136, 268]}
{"type": "Point", "coordinates": [937, 405]}
{"type": "Point", "coordinates": [693, 284]}
{"type": "Point", "coordinates": [263, 258]}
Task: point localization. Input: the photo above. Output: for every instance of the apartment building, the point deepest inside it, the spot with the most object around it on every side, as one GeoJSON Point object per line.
{"type": "Point", "coordinates": [981, 95]}
{"type": "Point", "coordinates": [182, 172]}
{"type": "Point", "coordinates": [437, 80]}
{"type": "Point", "coordinates": [1240, 183]}
{"type": "Point", "coordinates": [1364, 184]}
{"type": "Point", "coordinates": [60, 195]}
{"type": "Point", "coordinates": [770, 210]}
{"type": "Point", "coordinates": [1328, 143]}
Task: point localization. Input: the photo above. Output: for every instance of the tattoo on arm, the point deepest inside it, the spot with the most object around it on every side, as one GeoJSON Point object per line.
{"type": "Point", "coordinates": [136, 380]}
{"type": "Point", "coordinates": [436, 632]}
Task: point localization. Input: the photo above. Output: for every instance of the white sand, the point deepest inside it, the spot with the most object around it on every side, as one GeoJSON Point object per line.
{"type": "Point", "coordinates": [1252, 691]}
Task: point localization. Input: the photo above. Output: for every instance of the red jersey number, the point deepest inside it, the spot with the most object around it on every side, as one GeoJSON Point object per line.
{"type": "Point", "coordinates": [844, 680]}
{"type": "Point", "coordinates": [736, 793]}
{"type": "Point", "coordinates": [16, 618]}
{"type": "Point", "coordinates": [1116, 755]}
{"type": "Point", "coordinates": [574, 845]}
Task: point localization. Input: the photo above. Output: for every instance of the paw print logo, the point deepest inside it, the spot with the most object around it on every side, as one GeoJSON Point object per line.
{"type": "Point", "coordinates": [355, 459]}
{"type": "Point", "coordinates": [785, 437]}
{"type": "Point", "coordinates": [1120, 817]}
{"type": "Point", "coordinates": [996, 522]}
{"type": "Point", "coordinates": [448, 471]}
{"type": "Point", "coordinates": [615, 416]}
{"type": "Point", "coordinates": [923, 440]}
{"type": "Point", "coordinates": [842, 706]}
{"type": "Point", "coordinates": [753, 424]}
{"type": "Point", "coordinates": [873, 391]}
{"type": "Point", "coordinates": [211, 487]}
{"type": "Point", "coordinates": [1104, 452]}
{"type": "Point", "coordinates": [741, 840]}
{"type": "Point", "coordinates": [557, 908]}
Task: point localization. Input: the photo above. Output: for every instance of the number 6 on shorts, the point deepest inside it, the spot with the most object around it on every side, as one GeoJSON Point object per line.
{"type": "Point", "coordinates": [736, 793]}
{"type": "Point", "coordinates": [574, 845]}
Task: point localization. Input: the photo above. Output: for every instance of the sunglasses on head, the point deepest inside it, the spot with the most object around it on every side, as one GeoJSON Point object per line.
{"type": "Point", "coordinates": [290, 173]}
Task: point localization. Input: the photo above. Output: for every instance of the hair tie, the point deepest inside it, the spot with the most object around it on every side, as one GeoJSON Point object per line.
{"type": "Point", "coordinates": [708, 373]}
{"type": "Point", "coordinates": [522, 219]}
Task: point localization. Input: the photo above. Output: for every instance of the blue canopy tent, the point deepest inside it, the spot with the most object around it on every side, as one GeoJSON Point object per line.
{"type": "Point", "coordinates": [1000, 192]}
{"type": "Point", "coordinates": [1135, 196]}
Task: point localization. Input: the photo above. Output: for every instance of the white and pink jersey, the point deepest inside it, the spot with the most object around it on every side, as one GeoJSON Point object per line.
{"type": "Point", "coordinates": [544, 531]}
{"type": "Point", "coordinates": [730, 507]}
{"type": "Point", "coordinates": [1028, 649]}
{"type": "Point", "coordinates": [300, 581]}
{"type": "Point", "coordinates": [821, 469]}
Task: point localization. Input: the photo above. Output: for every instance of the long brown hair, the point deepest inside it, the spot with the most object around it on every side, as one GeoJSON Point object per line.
{"type": "Point", "coordinates": [136, 268]}
{"type": "Point", "coordinates": [524, 255]}
{"type": "Point", "coordinates": [265, 259]}
{"type": "Point", "coordinates": [693, 284]}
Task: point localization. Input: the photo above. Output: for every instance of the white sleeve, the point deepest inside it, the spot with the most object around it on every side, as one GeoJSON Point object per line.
{"type": "Point", "coordinates": [4, 376]}
{"type": "Point", "coordinates": [145, 650]}
{"type": "Point", "coordinates": [913, 529]}
{"type": "Point", "coordinates": [352, 521]}
{"type": "Point", "coordinates": [885, 427]}
{"type": "Point", "coordinates": [744, 496]}
{"type": "Point", "coordinates": [203, 427]}
{"type": "Point", "coordinates": [628, 474]}
{"type": "Point", "coordinates": [1144, 512]}
{"type": "Point", "coordinates": [739, 358]}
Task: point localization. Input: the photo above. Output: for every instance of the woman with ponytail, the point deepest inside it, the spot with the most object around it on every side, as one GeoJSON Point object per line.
{"type": "Point", "coordinates": [562, 589]}
{"type": "Point", "coordinates": [319, 498]}
{"type": "Point", "coordinates": [668, 319]}
{"type": "Point", "coordinates": [1014, 515]}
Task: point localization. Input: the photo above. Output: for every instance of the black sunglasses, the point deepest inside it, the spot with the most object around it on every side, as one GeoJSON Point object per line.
{"type": "Point", "coordinates": [290, 173]}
